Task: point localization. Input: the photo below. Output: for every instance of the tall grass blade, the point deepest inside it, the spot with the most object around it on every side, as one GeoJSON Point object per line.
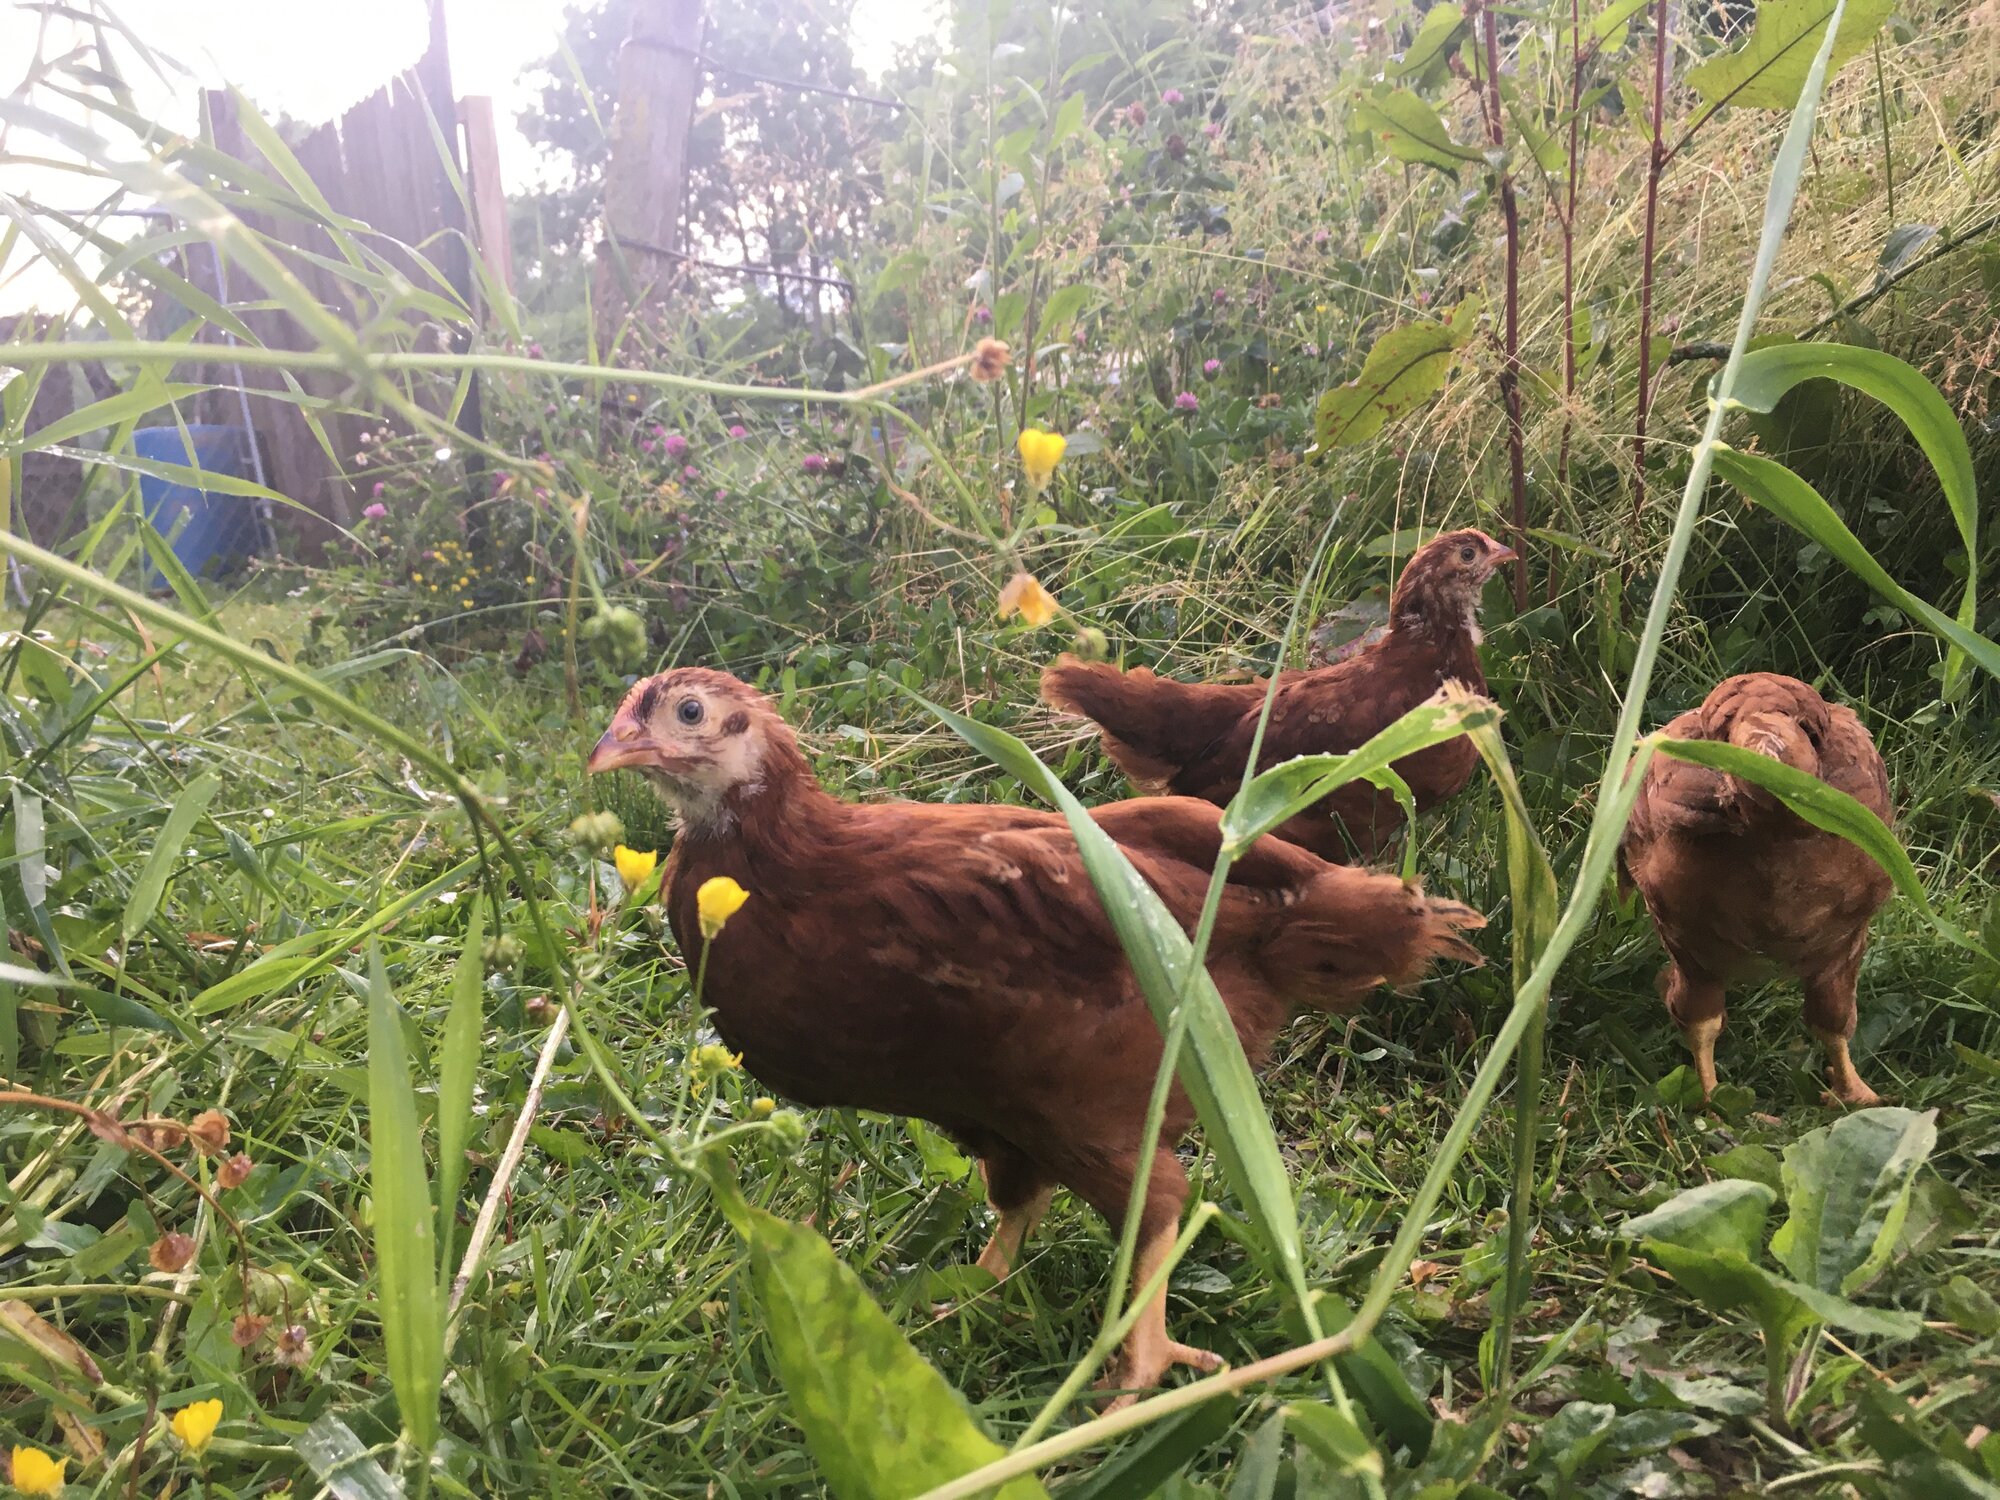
{"type": "Point", "coordinates": [152, 882]}
{"type": "Point", "coordinates": [1214, 1070]}
{"type": "Point", "coordinates": [405, 1247]}
{"type": "Point", "coordinates": [1284, 791]}
{"type": "Point", "coordinates": [1767, 374]}
{"type": "Point", "coordinates": [1800, 506]}
{"type": "Point", "coordinates": [457, 1069]}
{"type": "Point", "coordinates": [1830, 809]}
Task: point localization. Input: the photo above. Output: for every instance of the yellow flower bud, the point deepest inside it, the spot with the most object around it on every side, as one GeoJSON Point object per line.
{"type": "Point", "coordinates": [1027, 598]}
{"type": "Point", "coordinates": [35, 1473]}
{"type": "Point", "coordinates": [195, 1425]}
{"type": "Point", "coordinates": [1040, 453]}
{"type": "Point", "coordinates": [634, 865]}
{"type": "Point", "coordinates": [717, 901]}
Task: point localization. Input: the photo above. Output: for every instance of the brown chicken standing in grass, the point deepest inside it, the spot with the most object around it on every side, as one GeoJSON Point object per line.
{"type": "Point", "coordinates": [1193, 738]}
{"type": "Point", "coordinates": [1738, 884]}
{"type": "Point", "coordinates": [954, 963]}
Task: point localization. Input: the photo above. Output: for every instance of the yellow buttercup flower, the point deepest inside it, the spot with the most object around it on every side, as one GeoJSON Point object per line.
{"type": "Point", "coordinates": [35, 1473]}
{"type": "Point", "coordinates": [195, 1425]}
{"type": "Point", "coordinates": [634, 865]}
{"type": "Point", "coordinates": [719, 899]}
{"type": "Point", "coordinates": [1027, 598]}
{"type": "Point", "coordinates": [1040, 453]}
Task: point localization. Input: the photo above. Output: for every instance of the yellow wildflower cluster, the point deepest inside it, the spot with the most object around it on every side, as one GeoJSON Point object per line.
{"type": "Point", "coordinates": [710, 1061]}
{"type": "Point", "coordinates": [449, 570]}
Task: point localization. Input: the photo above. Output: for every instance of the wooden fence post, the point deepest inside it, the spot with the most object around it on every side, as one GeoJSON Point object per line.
{"type": "Point", "coordinates": [482, 181]}
{"type": "Point", "coordinates": [659, 73]}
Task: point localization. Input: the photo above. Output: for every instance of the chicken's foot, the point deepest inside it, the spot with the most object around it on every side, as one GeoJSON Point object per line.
{"type": "Point", "coordinates": [1701, 1037]}
{"type": "Point", "coordinates": [1003, 1250]}
{"type": "Point", "coordinates": [1847, 1087]}
{"type": "Point", "coordinates": [1148, 1353]}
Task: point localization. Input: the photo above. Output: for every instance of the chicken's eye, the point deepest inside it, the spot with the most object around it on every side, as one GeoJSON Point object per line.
{"type": "Point", "coordinates": [689, 711]}
{"type": "Point", "coordinates": [1466, 554]}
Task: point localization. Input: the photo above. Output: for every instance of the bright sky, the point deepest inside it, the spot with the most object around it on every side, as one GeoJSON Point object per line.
{"type": "Point", "coordinates": [313, 61]}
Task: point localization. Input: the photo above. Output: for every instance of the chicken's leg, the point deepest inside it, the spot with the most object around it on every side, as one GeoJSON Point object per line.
{"type": "Point", "coordinates": [1020, 1194]}
{"type": "Point", "coordinates": [1003, 1250]}
{"type": "Point", "coordinates": [1697, 1006]}
{"type": "Point", "coordinates": [1148, 1352]}
{"type": "Point", "coordinates": [1830, 1014]}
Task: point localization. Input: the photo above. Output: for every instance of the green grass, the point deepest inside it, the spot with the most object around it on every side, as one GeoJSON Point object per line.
{"type": "Point", "coordinates": [610, 1349]}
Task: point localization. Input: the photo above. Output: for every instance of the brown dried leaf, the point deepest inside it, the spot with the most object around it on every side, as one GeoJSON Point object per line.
{"type": "Point", "coordinates": [171, 1252]}
{"type": "Point", "coordinates": [22, 1322]}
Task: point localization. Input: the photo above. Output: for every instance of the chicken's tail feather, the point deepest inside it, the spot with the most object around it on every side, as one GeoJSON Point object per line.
{"type": "Point", "coordinates": [1152, 726]}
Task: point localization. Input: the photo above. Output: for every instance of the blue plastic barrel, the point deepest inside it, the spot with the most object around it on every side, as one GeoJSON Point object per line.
{"type": "Point", "coordinates": [210, 532]}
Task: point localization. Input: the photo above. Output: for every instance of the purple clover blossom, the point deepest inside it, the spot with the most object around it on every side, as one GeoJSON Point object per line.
{"type": "Point", "coordinates": [1135, 114]}
{"type": "Point", "coordinates": [1221, 295]}
{"type": "Point", "coordinates": [676, 446]}
{"type": "Point", "coordinates": [1172, 97]}
{"type": "Point", "coordinates": [1212, 129]}
{"type": "Point", "coordinates": [1321, 235]}
{"type": "Point", "coordinates": [690, 473]}
{"type": "Point", "coordinates": [738, 430]}
{"type": "Point", "coordinates": [813, 463]}
{"type": "Point", "coordinates": [982, 315]}
{"type": "Point", "coordinates": [376, 493]}
{"type": "Point", "coordinates": [374, 512]}
{"type": "Point", "coordinates": [1211, 368]}
{"type": "Point", "coordinates": [645, 445]}
{"type": "Point", "coordinates": [1187, 401]}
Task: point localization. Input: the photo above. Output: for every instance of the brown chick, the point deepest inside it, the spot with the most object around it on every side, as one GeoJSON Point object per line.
{"type": "Point", "coordinates": [1192, 738]}
{"type": "Point", "coordinates": [1737, 884]}
{"type": "Point", "coordinates": [954, 963]}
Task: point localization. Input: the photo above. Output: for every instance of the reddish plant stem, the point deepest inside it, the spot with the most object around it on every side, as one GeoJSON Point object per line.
{"type": "Point", "coordinates": [1655, 165]}
{"type": "Point", "coordinates": [1510, 369]}
{"type": "Point", "coordinates": [1569, 258]}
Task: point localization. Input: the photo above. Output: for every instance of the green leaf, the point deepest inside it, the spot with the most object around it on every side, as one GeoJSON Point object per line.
{"type": "Point", "coordinates": [1406, 367]}
{"type": "Point", "coordinates": [1286, 790]}
{"type": "Point", "coordinates": [1827, 808]}
{"type": "Point", "coordinates": [1767, 374]}
{"type": "Point", "coordinates": [1257, 1470]}
{"type": "Point", "coordinates": [1971, 1306]}
{"type": "Point", "coordinates": [1213, 1069]}
{"type": "Point", "coordinates": [1848, 1185]}
{"type": "Point", "coordinates": [1443, 26]}
{"type": "Point", "coordinates": [1573, 1435]}
{"type": "Point", "coordinates": [457, 1068]}
{"type": "Point", "coordinates": [1068, 120]}
{"type": "Point", "coordinates": [166, 852]}
{"type": "Point", "coordinates": [1142, 1469]}
{"type": "Point", "coordinates": [1410, 129]}
{"type": "Point", "coordinates": [1769, 71]}
{"type": "Point", "coordinates": [1750, 1163]}
{"type": "Point", "coordinates": [1334, 1437]}
{"type": "Point", "coordinates": [405, 1249]}
{"type": "Point", "coordinates": [1379, 1382]}
{"type": "Point", "coordinates": [1725, 1215]}
{"type": "Point", "coordinates": [881, 1422]}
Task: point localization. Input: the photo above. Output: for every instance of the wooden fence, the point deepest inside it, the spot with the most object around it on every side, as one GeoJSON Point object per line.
{"type": "Point", "coordinates": [380, 164]}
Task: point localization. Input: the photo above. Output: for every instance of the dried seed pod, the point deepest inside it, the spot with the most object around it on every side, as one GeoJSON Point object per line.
{"type": "Point", "coordinates": [293, 1346]}
{"type": "Point", "coordinates": [209, 1131]}
{"type": "Point", "coordinates": [247, 1329]}
{"type": "Point", "coordinates": [989, 360]}
{"type": "Point", "coordinates": [234, 1172]}
{"type": "Point", "coordinates": [171, 1252]}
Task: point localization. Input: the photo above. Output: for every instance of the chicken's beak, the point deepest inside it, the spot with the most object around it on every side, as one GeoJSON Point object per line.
{"type": "Point", "coordinates": [1501, 553]}
{"type": "Point", "coordinates": [625, 743]}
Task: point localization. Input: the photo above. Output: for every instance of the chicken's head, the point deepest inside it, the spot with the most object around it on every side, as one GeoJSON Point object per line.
{"type": "Point", "coordinates": [701, 737]}
{"type": "Point", "coordinates": [1441, 584]}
